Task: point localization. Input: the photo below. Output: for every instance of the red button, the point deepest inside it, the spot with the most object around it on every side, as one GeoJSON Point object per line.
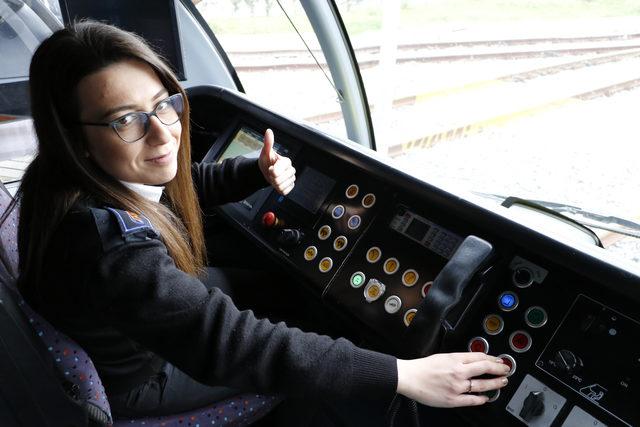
{"type": "Point", "coordinates": [520, 341]}
{"type": "Point", "coordinates": [268, 219]}
{"type": "Point", "coordinates": [507, 362]}
{"type": "Point", "coordinates": [478, 344]}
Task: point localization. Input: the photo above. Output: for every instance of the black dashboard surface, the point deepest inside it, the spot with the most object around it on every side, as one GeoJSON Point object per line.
{"type": "Point", "coordinates": [418, 270]}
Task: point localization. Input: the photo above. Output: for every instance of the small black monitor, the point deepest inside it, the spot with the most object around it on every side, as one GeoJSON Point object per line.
{"type": "Point", "coordinates": [155, 20]}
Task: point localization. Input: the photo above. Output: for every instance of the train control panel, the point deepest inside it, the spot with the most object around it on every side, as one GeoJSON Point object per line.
{"type": "Point", "coordinates": [421, 271]}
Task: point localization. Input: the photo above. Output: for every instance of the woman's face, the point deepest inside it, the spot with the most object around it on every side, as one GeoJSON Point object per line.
{"type": "Point", "coordinates": [121, 88]}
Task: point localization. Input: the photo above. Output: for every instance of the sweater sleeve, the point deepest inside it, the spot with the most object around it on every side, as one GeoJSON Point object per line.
{"type": "Point", "coordinates": [139, 291]}
{"type": "Point", "coordinates": [232, 180]}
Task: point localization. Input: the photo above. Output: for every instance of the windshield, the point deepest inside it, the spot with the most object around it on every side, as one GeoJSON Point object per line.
{"type": "Point", "coordinates": [536, 99]}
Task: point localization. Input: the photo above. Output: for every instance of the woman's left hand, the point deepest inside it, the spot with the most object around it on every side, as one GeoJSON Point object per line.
{"type": "Point", "coordinates": [277, 169]}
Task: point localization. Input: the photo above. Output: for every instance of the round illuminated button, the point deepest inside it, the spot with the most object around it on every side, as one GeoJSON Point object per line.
{"type": "Point", "coordinates": [310, 253]}
{"type": "Point", "coordinates": [425, 288]}
{"type": "Point", "coordinates": [337, 212]}
{"type": "Point", "coordinates": [492, 395]}
{"type": "Point", "coordinates": [510, 362]}
{"type": "Point", "coordinates": [324, 232]}
{"type": "Point", "coordinates": [354, 222]}
{"type": "Point", "coordinates": [535, 316]}
{"type": "Point", "coordinates": [520, 341]}
{"type": "Point", "coordinates": [269, 219]}
{"type": "Point", "coordinates": [391, 265]}
{"type": "Point", "coordinates": [522, 277]}
{"type": "Point", "coordinates": [409, 277]}
{"type": "Point", "coordinates": [357, 279]}
{"type": "Point", "coordinates": [325, 264]}
{"type": "Point", "coordinates": [368, 200]}
{"type": "Point", "coordinates": [373, 290]}
{"type": "Point", "coordinates": [507, 301]}
{"type": "Point", "coordinates": [478, 344]}
{"type": "Point", "coordinates": [373, 254]}
{"type": "Point", "coordinates": [340, 243]}
{"type": "Point", "coordinates": [392, 304]}
{"type": "Point", "coordinates": [352, 191]}
{"type": "Point", "coordinates": [409, 315]}
{"type": "Point", "coordinates": [493, 324]}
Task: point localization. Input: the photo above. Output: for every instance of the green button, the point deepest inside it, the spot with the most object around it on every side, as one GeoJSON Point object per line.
{"type": "Point", "coordinates": [536, 316]}
{"type": "Point", "coordinates": [357, 280]}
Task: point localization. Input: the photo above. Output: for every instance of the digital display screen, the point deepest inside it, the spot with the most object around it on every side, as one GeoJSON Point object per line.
{"type": "Point", "coordinates": [311, 189]}
{"type": "Point", "coordinates": [247, 143]}
{"type": "Point", "coordinates": [417, 229]}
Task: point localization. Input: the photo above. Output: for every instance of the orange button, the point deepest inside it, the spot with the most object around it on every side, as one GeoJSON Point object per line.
{"type": "Point", "coordinates": [391, 266]}
{"type": "Point", "coordinates": [310, 253]}
{"type": "Point", "coordinates": [368, 200]}
{"type": "Point", "coordinates": [373, 290]}
{"type": "Point", "coordinates": [373, 254]}
{"type": "Point", "coordinates": [325, 264]}
{"type": "Point", "coordinates": [409, 277]}
{"type": "Point", "coordinates": [324, 232]}
{"type": "Point", "coordinates": [340, 243]}
{"type": "Point", "coordinates": [409, 315]}
{"type": "Point", "coordinates": [493, 324]}
{"type": "Point", "coordinates": [352, 191]}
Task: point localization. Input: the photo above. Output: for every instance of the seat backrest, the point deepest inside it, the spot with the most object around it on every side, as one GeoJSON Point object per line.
{"type": "Point", "coordinates": [76, 372]}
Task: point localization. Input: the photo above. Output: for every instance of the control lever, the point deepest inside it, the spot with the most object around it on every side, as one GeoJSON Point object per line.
{"type": "Point", "coordinates": [289, 237]}
{"type": "Point", "coordinates": [424, 335]}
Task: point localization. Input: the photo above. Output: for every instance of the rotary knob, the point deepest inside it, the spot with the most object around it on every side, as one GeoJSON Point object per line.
{"type": "Point", "coordinates": [567, 361]}
{"type": "Point", "coordinates": [533, 406]}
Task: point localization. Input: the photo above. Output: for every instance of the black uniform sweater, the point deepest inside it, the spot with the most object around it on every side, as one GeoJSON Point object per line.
{"type": "Point", "coordinates": [121, 297]}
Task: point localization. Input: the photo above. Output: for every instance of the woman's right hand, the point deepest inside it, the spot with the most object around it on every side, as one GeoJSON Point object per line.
{"type": "Point", "coordinates": [446, 380]}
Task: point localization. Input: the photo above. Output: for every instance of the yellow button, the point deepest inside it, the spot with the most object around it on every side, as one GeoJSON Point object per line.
{"type": "Point", "coordinates": [493, 324]}
{"type": "Point", "coordinates": [325, 264]}
{"type": "Point", "coordinates": [373, 290]}
{"type": "Point", "coordinates": [410, 277]}
{"type": "Point", "coordinates": [409, 315]}
{"type": "Point", "coordinates": [310, 253]}
{"type": "Point", "coordinates": [324, 232]}
{"type": "Point", "coordinates": [352, 191]}
{"type": "Point", "coordinates": [373, 254]}
{"type": "Point", "coordinates": [368, 200]}
{"type": "Point", "coordinates": [391, 266]}
{"type": "Point", "coordinates": [340, 243]}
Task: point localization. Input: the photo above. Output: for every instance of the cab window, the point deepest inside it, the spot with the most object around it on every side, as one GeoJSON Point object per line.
{"type": "Point", "coordinates": [535, 99]}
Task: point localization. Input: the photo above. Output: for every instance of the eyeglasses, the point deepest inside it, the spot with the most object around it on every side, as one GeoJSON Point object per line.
{"type": "Point", "coordinates": [133, 126]}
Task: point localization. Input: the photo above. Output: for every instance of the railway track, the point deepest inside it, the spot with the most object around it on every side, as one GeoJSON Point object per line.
{"type": "Point", "coordinates": [285, 59]}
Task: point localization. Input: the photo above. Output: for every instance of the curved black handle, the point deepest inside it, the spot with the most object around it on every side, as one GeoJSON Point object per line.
{"type": "Point", "coordinates": [428, 326]}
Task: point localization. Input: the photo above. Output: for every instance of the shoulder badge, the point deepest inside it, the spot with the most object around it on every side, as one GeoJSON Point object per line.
{"type": "Point", "coordinates": [131, 222]}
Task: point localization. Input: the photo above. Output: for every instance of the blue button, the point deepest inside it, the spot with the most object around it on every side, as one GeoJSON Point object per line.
{"type": "Point", "coordinates": [508, 301]}
{"type": "Point", "coordinates": [280, 199]}
{"type": "Point", "coordinates": [354, 222]}
{"type": "Point", "coordinates": [338, 211]}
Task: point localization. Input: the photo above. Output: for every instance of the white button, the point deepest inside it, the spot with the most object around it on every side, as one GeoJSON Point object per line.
{"type": "Point", "coordinates": [392, 304]}
{"type": "Point", "coordinates": [373, 290]}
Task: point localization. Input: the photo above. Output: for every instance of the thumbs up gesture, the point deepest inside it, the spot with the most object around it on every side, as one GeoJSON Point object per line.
{"type": "Point", "coordinates": [277, 169]}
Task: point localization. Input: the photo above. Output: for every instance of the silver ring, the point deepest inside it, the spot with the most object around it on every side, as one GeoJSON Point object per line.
{"type": "Point", "coordinates": [470, 384]}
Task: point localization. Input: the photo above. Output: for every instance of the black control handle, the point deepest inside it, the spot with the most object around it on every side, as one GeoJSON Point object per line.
{"type": "Point", "coordinates": [425, 333]}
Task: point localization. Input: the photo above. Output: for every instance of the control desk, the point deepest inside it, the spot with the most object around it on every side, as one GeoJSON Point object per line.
{"type": "Point", "coordinates": [420, 271]}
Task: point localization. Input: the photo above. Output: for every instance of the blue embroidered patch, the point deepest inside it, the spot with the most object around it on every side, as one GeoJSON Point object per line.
{"type": "Point", "coordinates": [131, 222]}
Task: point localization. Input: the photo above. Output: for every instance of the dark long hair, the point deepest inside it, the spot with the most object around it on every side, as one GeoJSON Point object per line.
{"type": "Point", "coordinates": [61, 174]}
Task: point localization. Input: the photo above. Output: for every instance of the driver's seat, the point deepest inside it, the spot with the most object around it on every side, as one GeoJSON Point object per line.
{"type": "Point", "coordinates": [48, 380]}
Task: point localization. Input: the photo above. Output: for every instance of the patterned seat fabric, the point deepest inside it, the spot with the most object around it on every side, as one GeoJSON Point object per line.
{"type": "Point", "coordinates": [80, 377]}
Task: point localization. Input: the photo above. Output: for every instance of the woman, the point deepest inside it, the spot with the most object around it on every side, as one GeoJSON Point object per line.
{"type": "Point", "coordinates": [111, 248]}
